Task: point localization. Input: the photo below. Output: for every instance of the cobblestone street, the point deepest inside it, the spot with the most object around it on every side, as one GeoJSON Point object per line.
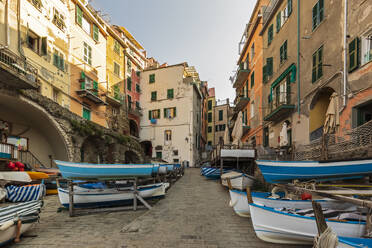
{"type": "Point", "coordinates": [195, 213]}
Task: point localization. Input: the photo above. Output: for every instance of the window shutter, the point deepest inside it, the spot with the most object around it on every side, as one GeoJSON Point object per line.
{"type": "Point", "coordinates": [158, 113]}
{"type": "Point", "coordinates": [320, 63]}
{"type": "Point", "coordinates": [281, 54]}
{"type": "Point", "coordinates": [174, 112]}
{"type": "Point", "coordinates": [269, 64]}
{"type": "Point", "coordinates": [289, 7]}
{"type": "Point", "coordinates": [95, 85]}
{"type": "Point", "coordinates": [252, 80]}
{"type": "Point", "coordinates": [82, 75]}
{"type": "Point", "coordinates": [285, 51]}
{"type": "Point", "coordinates": [61, 63]}
{"type": "Point", "coordinates": [358, 51]}
{"type": "Point", "coordinates": [353, 57]}
{"type": "Point", "coordinates": [278, 21]}
{"type": "Point", "coordinates": [264, 73]}
{"type": "Point", "coordinates": [44, 46]}
{"type": "Point", "coordinates": [55, 59]}
{"type": "Point", "coordinates": [149, 114]}
{"type": "Point", "coordinates": [165, 113]}
{"type": "Point", "coordinates": [315, 11]}
{"type": "Point", "coordinates": [79, 15]}
{"type": "Point", "coordinates": [95, 32]}
{"type": "Point", "coordinates": [288, 96]}
{"type": "Point", "coordinates": [321, 10]}
{"type": "Point", "coordinates": [313, 76]}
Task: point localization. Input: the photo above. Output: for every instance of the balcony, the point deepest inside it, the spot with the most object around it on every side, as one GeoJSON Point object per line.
{"type": "Point", "coordinates": [240, 103]}
{"type": "Point", "coordinates": [90, 92]}
{"type": "Point", "coordinates": [279, 107]}
{"type": "Point", "coordinates": [115, 98]}
{"type": "Point", "coordinates": [17, 72]}
{"type": "Point", "coordinates": [241, 75]}
{"type": "Point", "coordinates": [134, 109]}
{"type": "Point", "coordinates": [246, 130]}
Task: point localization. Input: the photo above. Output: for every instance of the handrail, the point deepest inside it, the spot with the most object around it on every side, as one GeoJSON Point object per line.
{"type": "Point", "coordinates": [29, 158]}
{"type": "Point", "coordinates": [10, 149]}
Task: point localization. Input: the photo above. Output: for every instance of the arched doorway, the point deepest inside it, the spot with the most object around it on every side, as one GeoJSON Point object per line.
{"type": "Point", "coordinates": [133, 128]}
{"type": "Point", "coordinates": [131, 158]}
{"type": "Point", "coordinates": [92, 150]}
{"type": "Point", "coordinates": [27, 120]}
{"type": "Point", "coordinates": [147, 148]}
{"type": "Point", "coordinates": [318, 109]}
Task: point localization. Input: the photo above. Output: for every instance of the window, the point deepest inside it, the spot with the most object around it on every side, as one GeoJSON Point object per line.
{"type": "Point", "coordinates": [86, 26]}
{"type": "Point", "coordinates": [210, 104]}
{"type": "Point", "coordinates": [58, 60]}
{"type": "Point", "coordinates": [283, 52]}
{"type": "Point", "coordinates": [363, 114]}
{"type": "Point", "coordinates": [268, 69]}
{"type": "Point", "coordinates": [281, 93]}
{"type": "Point", "coordinates": [129, 66]}
{"type": "Point", "coordinates": [170, 93]}
{"type": "Point", "coordinates": [95, 32]}
{"type": "Point", "coordinates": [367, 48]}
{"type": "Point", "coordinates": [220, 115]}
{"type": "Point", "coordinates": [252, 51]}
{"type": "Point", "coordinates": [220, 128]}
{"type": "Point", "coordinates": [176, 160]}
{"type": "Point", "coordinates": [129, 102]}
{"type": "Point", "coordinates": [354, 47]}
{"type": "Point", "coordinates": [55, 95]}
{"type": "Point", "coordinates": [138, 107]}
{"type": "Point", "coordinates": [168, 135]}
{"type": "Point", "coordinates": [159, 155]}
{"type": "Point", "coordinates": [37, 44]}
{"type": "Point", "coordinates": [86, 113]}
{"type": "Point", "coordinates": [210, 143]}
{"type": "Point", "coordinates": [209, 129]}
{"type": "Point", "coordinates": [270, 34]}
{"type": "Point", "coordinates": [58, 19]}
{"type": "Point", "coordinates": [154, 114]}
{"type": "Point", "coordinates": [252, 80]}
{"type": "Point", "coordinates": [87, 54]}
{"type": "Point", "coordinates": [153, 96]}
{"type": "Point", "coordinates": [88, 84]}
{"type": "Point", "coordinates": [246, 89]}
{"type": "Point", "coordinates": [79, 15]}
{"type": "Point", "coordinates": [36, 3]}
{"type": "Point", "coordinates": [289, 7]}
{"type": "Point", "coordinates": [317, 71]}
{"type": "Point", "coordinates": [216, 128]}
{"type": "Point", "coordinates": [170, 113]}
{"type": "Point", "coordinates": [244, 117]}
{"type": "Point", "coordinates": [318, 13]}
{"type": "Point", "coordinates": [152, 78]}
{"type": "Point", "coordinates": [209, 117]}
{"type": "Point", "coordinates": [116, 69]}
{"type": "Point", "coordinates": [252, 109]}
{"type": "Point", "coordinates": [129, 83]}
{"type": "Point", "coordinates": [138, 88]}
{"type": "Point", "coordinates": [175, 152]}
{"type": "Point", "coordinates": [117, 48]}
{"type": "Point", "coordinates": [278, 21]}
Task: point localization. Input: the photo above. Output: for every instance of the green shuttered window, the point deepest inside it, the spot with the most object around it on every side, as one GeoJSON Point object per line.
{"type": "Point", "coordinates": [153, 96]}
{"type": "Point", "coordinates": [354, 54]}
{"type": "Point", "coordinates": [278, 21]}
{"type": "Point", "coordinates": [170, 93]}
{"type": "Point", "coordinates": [95, 32]}
{"type": "Point", "coordinates": [289, 4]}
{"type": "Point", "coordinates": [79, 15]}
{"type": "Point", "coordinates": [270, 35]}
{"type": "Point", "coordinates": [283, 52]}
{"type": "Point", "coordinates": [317, 71]}
{"type": "Point", "coordinates": [318, 13]}
{"type": "Point", "coordinates": [252, 79]}
{"type": "Point", "coordinates": [152, 78]}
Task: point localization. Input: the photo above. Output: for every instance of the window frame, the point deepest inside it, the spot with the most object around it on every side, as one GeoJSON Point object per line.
{"type": "Point", "coordinates": [317, 65]}
{"type": "Point", "coordinates": [154, 95]}
{"type": "Point", "coordinates": [117, 69]}
{"type": "Point", "coordinates": [152, 78]}
{"type": "Point", "coordinates": [220, 115]}
{"type": "Point", "coordinates": [170, 93]}
{"type": "Point", "coordinates": [168, 135]}
{"type": "Point", "coordinates": [87, 53]}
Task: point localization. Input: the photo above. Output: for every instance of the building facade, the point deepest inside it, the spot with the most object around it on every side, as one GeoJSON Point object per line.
{"type": "Point", "coordinates": [172, 131]}
{"type": "Point", "coordinates": [222, 113]}
{"type": "Point", "coordinates": [210, 117]}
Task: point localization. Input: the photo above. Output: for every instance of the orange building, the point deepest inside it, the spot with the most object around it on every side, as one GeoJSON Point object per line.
{"type": "Point", "coordinates": [248, 79]}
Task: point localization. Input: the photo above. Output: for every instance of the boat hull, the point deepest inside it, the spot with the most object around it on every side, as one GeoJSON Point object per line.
{"type": "Point", "coordinates": [109, 197]}
{"type": "Point", "coordinates": [9, 234]}
{"type": "Point", "coordinates": [72, 170]}
{"type": "Point", "coordinates": [345, 242]}
{"type": "Point", "coordinates": [275, 226]}
{"type": "Point", "coordinates": [241, 207]}
{"type": "Point", "coordinates": [280, 171]}
{"type": "Point", "coordinates": [237, 181]}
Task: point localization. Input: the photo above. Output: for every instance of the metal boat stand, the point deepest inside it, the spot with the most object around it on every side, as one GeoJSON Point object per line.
{"type": "Point", "coordinates": [136, 196]}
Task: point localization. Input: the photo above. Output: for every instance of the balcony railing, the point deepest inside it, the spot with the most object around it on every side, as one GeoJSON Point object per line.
{"type": "Point", "coordinates": [91, 92]}
{"type": "Point", "coordinates": [241, 75]}
{"type": "Point", "coordinates": [241, 102]}
{"type": "Point", "coordinates": [17, 72]}
{"type": "Point", "coordinates": [134, 108]}
{"type": "Point", "coordinates": [115, 97]}
{"type": "Point", "coordinates": [279, 106]}
{"type": "Point", "coordinates": [8, 151]}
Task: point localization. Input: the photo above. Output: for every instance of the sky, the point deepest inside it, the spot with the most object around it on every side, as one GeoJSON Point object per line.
{"type": "Point", "coordinates": [203, 33]}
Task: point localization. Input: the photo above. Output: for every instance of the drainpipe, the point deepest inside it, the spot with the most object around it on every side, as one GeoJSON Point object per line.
{"type": "Point", "coordinates": [345, 55]}
{"type": "Point", "coordinates": [298, 60]}
{"type": "Point", "coordinates": [6, 21]}
{"type": "Point", "coordinates": [19, 28]}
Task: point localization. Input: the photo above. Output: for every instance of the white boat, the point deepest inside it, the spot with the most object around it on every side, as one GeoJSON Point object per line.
{"type": "Point", "coordinates": [27, 212]}
{"type": "Point", "coordinates": [277, 226]}
{"type": "Point", "coordinates": [240, 204]}
{"type": "Point", "coordinates": [84, 197]}
{"type": "Point", "coordinates": [238, 180]}
{"type": "Point", "coordinates": [16, 176]}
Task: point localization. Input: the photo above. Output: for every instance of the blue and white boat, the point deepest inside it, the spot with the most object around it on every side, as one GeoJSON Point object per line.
{"type": "Point", "coordinates": [239, 202]}
{"type": "Point", "coordinates": [238, 180]}
{"type": "Point", "coordinates": [284, 171]}
{"type": "Point", "coordinates": [90, 197]}
{"type": "Point", "coordinates": [299, 227]}
{"type": "Point", "coordinates": [345, 242]}
{"type": "Point", "coordinates": [72, 170]}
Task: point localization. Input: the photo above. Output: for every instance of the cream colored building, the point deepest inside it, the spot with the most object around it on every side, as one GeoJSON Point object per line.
{"type": "Point", "coordinates": [171, 103]}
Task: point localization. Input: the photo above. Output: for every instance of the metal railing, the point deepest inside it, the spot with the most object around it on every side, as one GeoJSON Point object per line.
{"type": "Point", "coordinates": [7, 151]}
{"type": "Point", "coordinates": [18, 65]}
{"type": "Point", "coordinates": [28, 157]}
{"type": "Point", "coordinates": [279, 99]}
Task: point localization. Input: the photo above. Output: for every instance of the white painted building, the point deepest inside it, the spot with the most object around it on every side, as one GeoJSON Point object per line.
{"type": "Point", "coordinates": [171, 120]}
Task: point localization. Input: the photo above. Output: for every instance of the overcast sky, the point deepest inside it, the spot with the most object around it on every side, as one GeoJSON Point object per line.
{"type": "Point", "coordinates": [204, 33]}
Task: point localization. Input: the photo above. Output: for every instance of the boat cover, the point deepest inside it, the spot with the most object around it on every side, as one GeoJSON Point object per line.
{"type": "Point", "coordinates": [25, 193]}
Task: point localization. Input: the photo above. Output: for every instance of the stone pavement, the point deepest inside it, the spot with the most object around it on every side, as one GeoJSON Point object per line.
{"type": "Point", "coordinates": [195, 213]}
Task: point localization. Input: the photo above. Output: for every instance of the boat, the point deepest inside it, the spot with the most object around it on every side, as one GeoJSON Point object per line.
{"type": "Point", "coordinates": [239, 202]}
{"type": "Point", "coordinates": [90, 197]}
{"type": "Point", "coordinates": [15, 176]}
{"type": "Point", "coordinates": [238, 180]}
{"type": "Point", "coordinates": [284, 171]}
{"type": "Point", "coordinates": [289, 227]}
{"type": "Point", "coordinates": [346, 242]}
{"type": "Point", "coordinates": [214, 173]}
{"type": "Point", "coordinates": [72, 170]}
{"type": "Point", "coordinates": [25, 193]}
{"type": "Point", "coordinates": [35, 175]}
{"type": "Point", "coordinates": [27, 213]}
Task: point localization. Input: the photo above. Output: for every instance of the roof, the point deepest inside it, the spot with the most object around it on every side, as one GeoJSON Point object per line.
{"type": "Point", "coordinates": [184, 64]}
{"type": "Point", "coordinates": [131, 38]}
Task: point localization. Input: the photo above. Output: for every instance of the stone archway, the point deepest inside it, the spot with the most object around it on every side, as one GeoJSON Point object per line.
{"type": "Point", "coordinates": [47, 139]}
{"type": "Point", "coordinates": [318, 109]}
{"type": "Point", "coordinates": [92, 150]}
{"type": "Point", "coordinates": [147, 148]}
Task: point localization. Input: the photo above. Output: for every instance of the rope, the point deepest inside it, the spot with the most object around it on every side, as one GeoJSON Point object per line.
{"type": "Point", "coordinates": [328, 239]}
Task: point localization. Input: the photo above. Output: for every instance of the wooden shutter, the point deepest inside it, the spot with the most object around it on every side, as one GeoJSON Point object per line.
{"type": "Point", "coordinates": [354, 57]}
{"type": "Point", "coordinates": [320, 11]}
{"type": "Point", "coordinates": [264, 73]}
{"type": "Point", "coordinates": [79, 15]}
{"type": "Point", "coordinates": [289, 7]}
{"type": "Point", "coordinates": [95, 32]}
{"type": "Point", "coordinates": [315, 14]}
{"type": "Point", "coordinates": [174, 112]}
{"type": "Point", "coordinates": [278, 21]}
{"type": "Point", "coordinates": [165, 113]}
{"type": "Point", "coordinates": [314, 70]}
{"type": "Point", "coordinates": [44, 46]}
{"type": "Point", "coordinates": [281, 54]}
{"type": "Point", "coordinates": [252, 80]}
{"type": "Point", "coordinates": [320, 63]}
{"type": "Point", "coordinates": [269, 64]}
{"type": "Point", "coordinates": [149, 114]}
{"type": "Point", "coordinates": [285, 51]}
